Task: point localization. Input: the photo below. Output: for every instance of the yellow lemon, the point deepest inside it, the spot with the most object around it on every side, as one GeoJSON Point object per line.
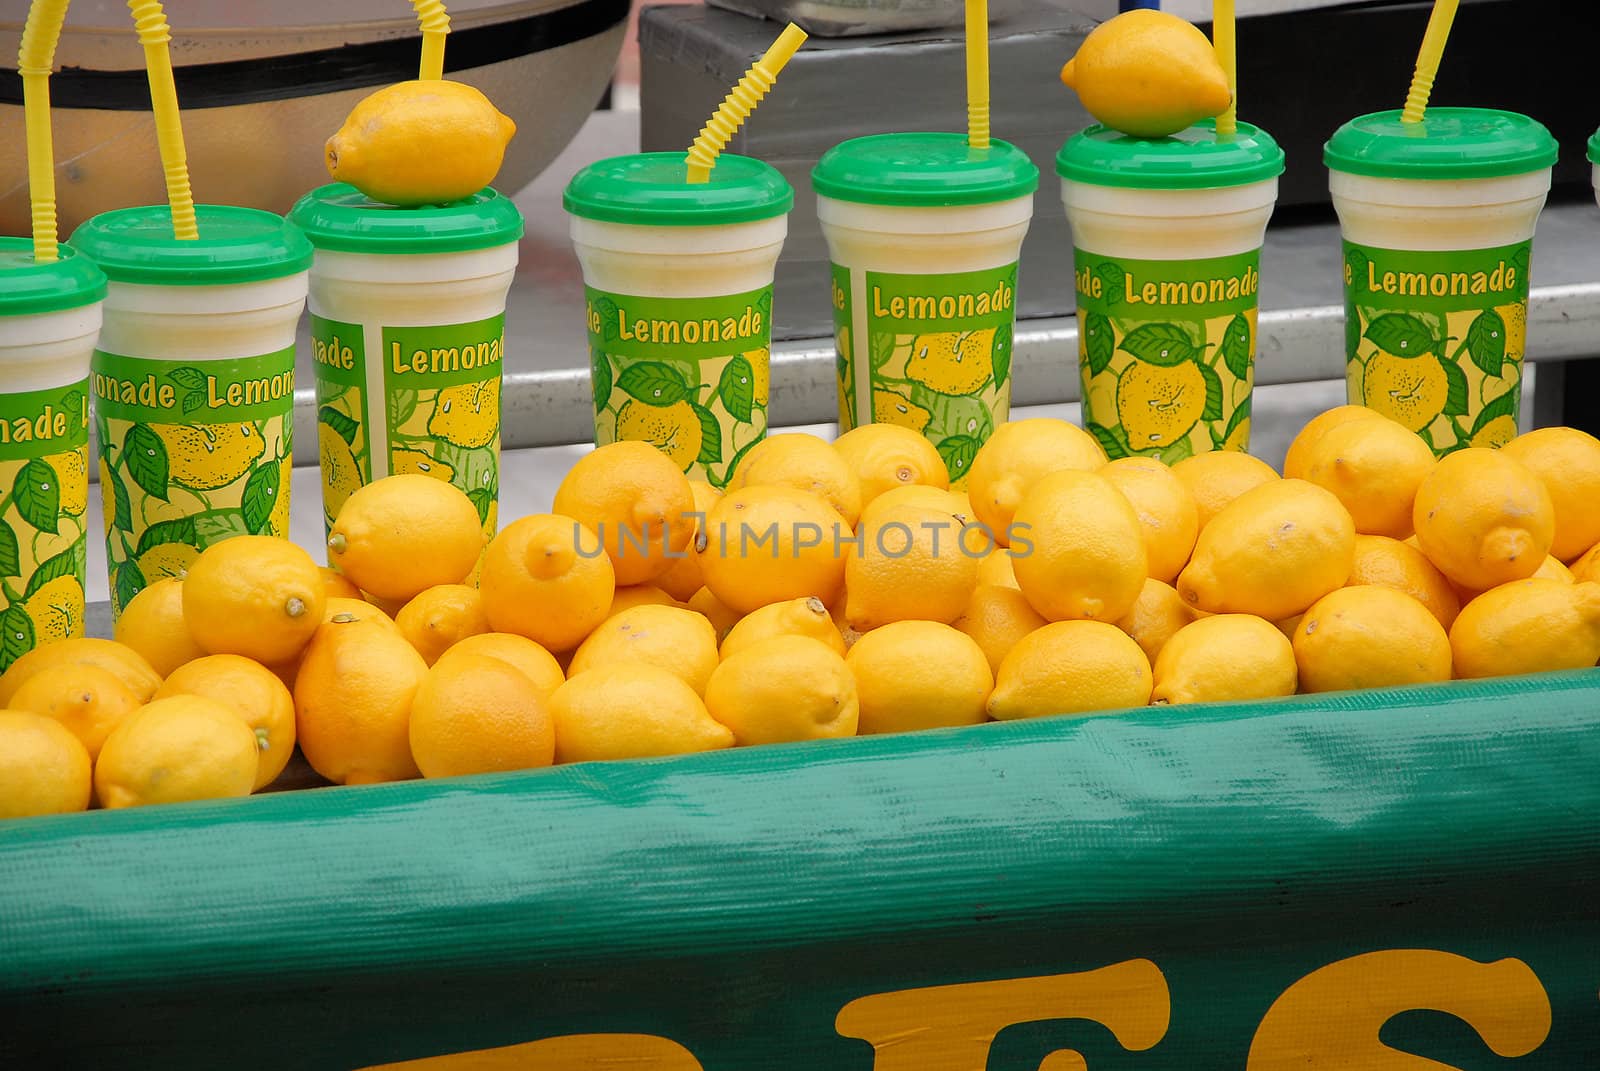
{"type": "Point", "coordinates": [1079, 548]}
{"type": "Point", "coordinates": [44, 769]}
{"type": "Point", "coordinates": [1169, 521]}
{"type": "Point", "coordinates": [889, 407]}
{"type": "Point", "coordinates": [257, 596]}
{"type": "Point", "coordinates": [467, 414]}
{"type": "Point", "coordinates": [672, 429]}
{"type": "Point", "coordinates": [1148, 74]}
{"type": "Point", "coordinates": [420, 143]}
{"type": "Point", "coordinates": [1483, 518]}
{"type": "Point", "coordinates": [341, 476]}
{"type": "Point", "coordinates": [1271, 552]}
{"type": "Point", "coordinates": [72, 478]}
{"type": "Point", "coordinates": [437, 619]}
{"type": "Point", "coordinates": [352, 701]}
{"type": "Point", "coordinates": [1409, 389]}
{"type": "Point", "coordinates": [475, 714]}
{"type": "Point", "coordinates": [401, 535]}
{"type": "Point", "coordinates": [720, 614]}
{"type": "Point", "coordinates": [794, 617]}
{"type": "Point", "coordinates": [1157, 615]}
{"type": "Point", "coordinates": [1587, 566]}
{"type": "Point", "coordinates": [162, 560]}
{"type": "Point", "coordinates": [683, 578]}
{"type": "Point", "coordinates": [784, 689]}
{"type": "Point", "coordinates": [1567, 462]}
{"type": "Point", "coordinates": [1018, 455]}
{"type": "Point", "coordinates": [152, 623]}
{"type": "Point", "coordinates": [638, 595]}
{"type": "Point", "coordinates": [1369, 637]}
{"type": "Point", "coordinates": [919, 675]}
{"type": "Point", "coordinates": [771, 544]}
{"type": "Point", "coordinates": [1216, 478]}
{"type": "Point", "coordinates": [996, 619]}
{"type": "Point", "coordinates": [1071, 667]}
{"type": "Point", "coordinates": [547, 578]}
{"type": "Point", "coordinates": [887, 456]}
{"type": "Point", "coordinates": [638, 503]}
{"type": "Point", "coordinates": [805, 463]}
{"type": "Point", "coordinates": [908, 563]}
{"type": "Point", "coordinates": [1552, 569]}
{"type": "Point", "coordinates": [1224, 659]}
{"type": "Point", "coordinates": [252, 692]}
{"type": "Point", "coordinates": [1159, 406]}
{"type": "Point", "coordinates": [203, 457]}
{"type": "Point", "coordinates": [1296, 461]}
{"type": "Point", "coordinates": [56, 609]}
{"type": "Point", "coordinates": [404, 462]}
{"type": "Point", "coordinates": [997, 568]}
{"type": "Point", "coordinates": [1389, 563]}
{"type": "Point", "coordinates": [675, 639]}
{"type": "Point", "coordinates": [336, 584]}
{"type": "Point", "coordinates": [952, 362]}
{"type": "Point", "coordinates": [343, 611]}
{"type": "Point", "coordinates": [175, 750]}
{"type": "Point", "coordinates": [954, 503]}
{"type": "Point", "coordinates": [521, 654]}
{"type": "Point", "coordinates": [1374, 467]}
{"type": "Point", "coordinates": [89, 701]}
{"type": "Point", "coordinates": [632, 711]}
{"type": "Point", "coordinates": [121, 661]}
{"type": "Point", "coordinates": [1528, 626]}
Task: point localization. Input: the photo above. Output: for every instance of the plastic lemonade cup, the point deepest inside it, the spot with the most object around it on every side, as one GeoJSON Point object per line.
{"type": "Point", "coordinates": [408, 339]}
{"type": "Point", "coordinates": [49, 320]}
{"type": "Point", "coordinates": [678, 302]}
{"type": "Point", "coordinates": [193, 383]}
{"type": "Point", "coordinates": [1166, 236]}
{"type": "Point", "coordinates": [1438, 221]}
{"type": "Point", "coordinates": [1594, 163]}
{"type": "Point", "coordinates": [924, 233]}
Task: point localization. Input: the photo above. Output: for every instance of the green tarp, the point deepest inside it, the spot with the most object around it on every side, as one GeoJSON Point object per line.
{"type": "Point", "coordinates": [1212, 858]}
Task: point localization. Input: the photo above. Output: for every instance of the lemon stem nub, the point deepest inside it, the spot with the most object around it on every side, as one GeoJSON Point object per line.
{"type": "Point", "coordinates": [295, 606]}
{"type": "Point", "coordinates": [816, 605]}
{"type": "Point", "coordinates": [262, 740]}
{"type": "Point", "coordinates": [336, 542]}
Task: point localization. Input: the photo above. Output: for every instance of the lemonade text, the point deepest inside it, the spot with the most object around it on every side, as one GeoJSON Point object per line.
{"type": "Point", "coordinates": [1174, 291]}
{"type": "Point", "coordinates": [51, 423]}
{"type": "Point", "coordinates": [941, 306]}
{"type": "Point", "coordinates": [1441, 283]}
{"type": "Point", "coordinates": [446, 358]}
{"type": "Point", "coordinates": [684, 332]}
{"type": "Point", "coordinates": [333, 353]}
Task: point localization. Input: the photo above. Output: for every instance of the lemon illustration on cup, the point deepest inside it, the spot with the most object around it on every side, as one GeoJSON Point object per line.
{"type": "Point", "coordinates": [56, 610]}
{"type": "Point", "coordinates": [72, 477]}
{"type": "Point", "coordinates": [892, 407]}
{"type": "Point", "coordinates": [1159, 406]}
{"type": "Point", "coordinates": [673, 429]}
{"type": "Point", "coordinates": [204, 457]}
{"type": "Point", "coordinates": [404, 462]}
{"type": "Point", "coordinates": [955, 363]}
{"type": "Point", "coordinates": [1410, 390]}
{"type": "Point", "coordinates": [341, 476]}
{"type": "Point", "coordinates": [468, 414]}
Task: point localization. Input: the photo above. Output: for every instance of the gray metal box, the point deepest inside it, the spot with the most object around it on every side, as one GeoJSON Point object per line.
{"type": "Point", "coordinates": [847, 87]}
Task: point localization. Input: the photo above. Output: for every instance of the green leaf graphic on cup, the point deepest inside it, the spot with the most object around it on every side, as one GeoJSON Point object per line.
{"type": "Point", "coordinates": [1456, 394]}
{"type": "Point", "coordinates": [188, 378]}
{"type": "Point", "coordinates": [127, 583]}
{"type": "Point", "coordinates": [1112, 440]}
{"type": "Point", "coordinates": [1506, 405]}
{"type": "Point", "coordinates": [1402, 334]}
{"type": "Point", "coordinates": [880, 350]}
{"type": "Point", "coordinates": [653, 383]}
{"type": "Point", "coordinates": [193, 401]}
{"type": "Point", "coordinates": [37, 495]}
{"type": "Point", "coordinates": [63, 564]}
{"type": "Point", "coordinates": [121, 508]}
{"type": "Point", "coordinates": [402, 404]}
{"type": "Point", "coordinates": [1240, 415]}
{"type": "Point", "coordinates": [1113, 282]}
{"type": "Point", "coordinates": [260, 494]}
{"type": "Point", "coordinates": [1213, 403]}
{"type": "Point", "coordinates": [737, 389]}
{"type": "Point", "coordinates": [1236, 349]}
{"type": "Point", "coordinates": [213, 526]}
{"type": "Point", "coordinates": [182, 530]}
{"type": "Point", "coordinates": [608, 319]}
{"type": "Point", "coordinates": [710, 436]}
{"type": "Point", "coordinates": [1355, 264]}
{"type": "Point", "coordinates": [958, 452]}
{"type": "Point", "coordinates": [10, 552]}
{"type": "Point", "coordinates": [1486, 342]}
{"type": "Point", "coordinates": [346, 428]}
{"type": "Point", "coordinates": [1099, 342]}
{"type": "Point", "coordinates": [1003, 339]}
{"type": "Point", "coordinates": [144, 455]}
{"type": "Point", "coordinates": [1161, 344]}
{"type": "Point", "coordinates": [16, 635]}
{"type": "Point", "coordinates": [600, 376]}
{"type": "Point", "coordinates": [1179, 450]}
{"type": "Point", "coordinates": [482, 498]}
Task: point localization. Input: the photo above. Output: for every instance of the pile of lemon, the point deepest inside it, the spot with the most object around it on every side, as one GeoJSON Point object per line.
{"type": "Point", "coordinates": [835, 589]}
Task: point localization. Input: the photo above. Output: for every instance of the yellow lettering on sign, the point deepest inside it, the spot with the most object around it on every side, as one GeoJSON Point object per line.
{"type": "Point", "coordinates": [1330, 1018]}
{"type": "Point", "coordinates": [952, 1026]}
{"type": "Point", "coordinates": [574, 1052]}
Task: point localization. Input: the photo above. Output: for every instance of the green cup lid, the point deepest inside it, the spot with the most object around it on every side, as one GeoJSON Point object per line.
{"type": "Point", "coordinates": [341, 218]}
{"type": "Point", "coordinates": [1449, 143]}
{"type": "Point", "coordinates": [28, 287]}
{"type": "Point", "coordinates": [924, 170]}
{"type": "Point", "coordinates": [1192, 159]}
{"type": "Point", "coordinates": [653, 189]}
{"type": "Point", "coordinates": [236, 245]}
{"type": "Point", "coordinates": [1594, 147]}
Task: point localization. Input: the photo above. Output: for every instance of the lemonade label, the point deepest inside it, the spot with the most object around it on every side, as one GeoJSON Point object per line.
{"type": "Point", "coordinates": [1166, 352]}
{"type": "Point", "coordinates": [1435, 339]}
{"type": "Point", "coordinates": [44, 488]}
{"type": "Point", "coordinates": [191, 453]}
{"type": "Point", "coordinates": [688, 375]}
{"type": "Point", "coordinates": [338, 354]}
{"type": "Point", "coordinates": [938, 354]}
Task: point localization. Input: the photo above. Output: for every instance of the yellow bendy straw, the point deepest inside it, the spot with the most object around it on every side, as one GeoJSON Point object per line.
{"type": "Point", "coordinates": [740, 102]}
{"type": "Point", "coordinates": [1432, 51]}
{"type": "Point", "coordinates": [1224, 40]}
{"type": "Point", "coordinates": [151, 22]}
{"type": "Point", "coordinates": [34, 60]}
{"type": "Point", "coordinates": [435, 26]}
{"type": "Point", "coordinates": [978, 74]}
